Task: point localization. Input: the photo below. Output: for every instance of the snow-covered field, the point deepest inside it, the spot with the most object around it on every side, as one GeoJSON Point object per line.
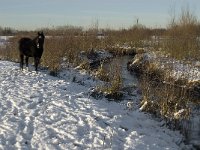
{"type": "Point", "coordinates": [4, 41]}
{"type": "Point", "coordinates": [38, 111]}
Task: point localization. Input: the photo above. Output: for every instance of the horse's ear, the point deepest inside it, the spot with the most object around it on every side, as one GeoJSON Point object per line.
{"type": "Point", "coordinates": [42, 34]}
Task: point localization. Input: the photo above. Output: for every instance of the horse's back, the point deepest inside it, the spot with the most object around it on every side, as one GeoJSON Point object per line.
{"type": "Point", "coordinates": [24, 42]}
{"type": "Point", "coordinates": [26, 46]}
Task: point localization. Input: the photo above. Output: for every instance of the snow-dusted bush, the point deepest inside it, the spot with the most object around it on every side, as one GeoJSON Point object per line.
{"type": "Point", "coordinates": [165, 92]}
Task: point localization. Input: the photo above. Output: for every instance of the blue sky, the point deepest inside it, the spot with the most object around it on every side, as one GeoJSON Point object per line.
{"type": "Point", "coordinates": [33, 14]}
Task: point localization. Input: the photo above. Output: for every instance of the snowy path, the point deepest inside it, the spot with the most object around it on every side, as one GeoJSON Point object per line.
{"type": "Point", "coordinates": [38, 111]}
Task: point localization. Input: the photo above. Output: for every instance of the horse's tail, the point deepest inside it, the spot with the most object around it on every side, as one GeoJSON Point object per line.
{"type": "Point", "coordinates": [20, 44]}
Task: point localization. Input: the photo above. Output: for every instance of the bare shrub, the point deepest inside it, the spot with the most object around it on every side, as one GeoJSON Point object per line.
{"type": "Point", "coordinates": [183, 37]}
{"type": "Point", "coordinates": [102, 74]}
{"type": "Point", "coordinates": [52, 54]}
{"type": "Point", "coordinates": [11, 51]}
{"type": "Point", "coordinates": [113, 87]}
{"type": "Point", "coordinates": [162, 93]}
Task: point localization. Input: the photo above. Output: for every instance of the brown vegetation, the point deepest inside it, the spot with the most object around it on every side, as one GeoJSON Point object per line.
{"type": "Point", "coordinates": [180, 41]}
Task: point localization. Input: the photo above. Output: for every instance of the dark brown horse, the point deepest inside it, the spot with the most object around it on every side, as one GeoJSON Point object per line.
{"type": "Point", "coordinates": [31, 48]}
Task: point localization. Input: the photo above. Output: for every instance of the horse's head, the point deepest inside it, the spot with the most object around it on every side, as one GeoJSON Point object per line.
{"type": "Point", "coordinates": [40, 40]}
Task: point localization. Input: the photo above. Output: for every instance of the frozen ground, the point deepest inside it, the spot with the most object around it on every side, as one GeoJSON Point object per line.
{"type": "Point", "coordinates": [38, 111]}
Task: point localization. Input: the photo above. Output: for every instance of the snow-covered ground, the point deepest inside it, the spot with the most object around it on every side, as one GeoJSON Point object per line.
{"type": "Point", "coordinates": [177, 69]}
{"type": "Point", "coordinates": [38, 111]}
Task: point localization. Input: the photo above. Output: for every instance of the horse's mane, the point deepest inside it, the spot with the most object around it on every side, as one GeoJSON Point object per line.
{"type": "Point", "coordinates": [35, 39]}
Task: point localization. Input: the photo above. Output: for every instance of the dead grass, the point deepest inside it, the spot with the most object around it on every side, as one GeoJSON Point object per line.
{"type": "Point", "coordinates": [163, 94]}
{"type": "Point", "coordinates": [112, 89]}
{"type": "Point", "coordinates": [164, 98]}
{"type": "Point", "coordinates": [182, 40]}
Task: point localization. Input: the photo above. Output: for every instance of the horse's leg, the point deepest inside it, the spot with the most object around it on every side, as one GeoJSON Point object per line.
{"type": "Point", "coordinates": [36, 63]}
{"type": "Point", "coordinates": [21, 61]}
{"type": "Point", "coordinates": [27, 61]}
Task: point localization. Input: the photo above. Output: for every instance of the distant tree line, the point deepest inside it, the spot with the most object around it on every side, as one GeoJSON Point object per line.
{"type": "Point", "coordinates": [7, 31]}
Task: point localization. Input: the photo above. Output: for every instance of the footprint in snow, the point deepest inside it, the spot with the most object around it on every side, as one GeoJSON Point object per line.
{"type": "Point", "coordinates": [15, 111]}
{"type": "Point", "coordinates": [35, 95]}
{"type": "Point", "coordinates": [33, 104]}
{"type": "Point", "coordinates": [35, 99]}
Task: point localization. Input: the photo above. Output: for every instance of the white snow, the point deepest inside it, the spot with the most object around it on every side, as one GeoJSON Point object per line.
{"type": "Point", "coordinates": [38, 111]}
{"type": "Point", "coordinates": [4, 40]}
{"type": "Point", "coordinates": [179, 69]}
